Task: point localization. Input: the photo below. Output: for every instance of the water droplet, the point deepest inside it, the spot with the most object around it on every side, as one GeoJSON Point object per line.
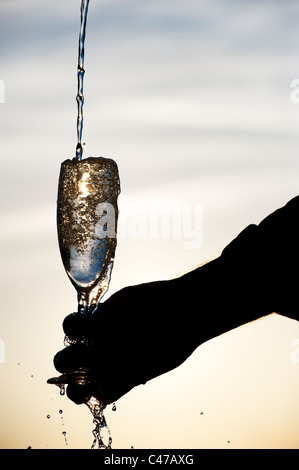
{"type": "Point", "coordinates": [114, 407]}
{"type": "Point", "coordinates": [65, 439]}
{"type": "Point", "coordinates": [201, 412]}
{"type": "Point", "coordinates": [62, 389]}
{"type": "Point", "coordinates": [66, 341]}
{"type": "Point", "coordinates": [62, 421]}
{"type": "Point", "coordinates": [48, 416]}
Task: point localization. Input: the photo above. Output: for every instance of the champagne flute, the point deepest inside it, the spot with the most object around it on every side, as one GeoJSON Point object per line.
{"type": "Point", "coordinates": [87, 216]}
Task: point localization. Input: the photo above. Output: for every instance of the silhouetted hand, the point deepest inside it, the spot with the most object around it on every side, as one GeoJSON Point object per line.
{"type": "Point", "coordinates": [138, 333]}
{"type": "Point", "coordinates": [146, 330]}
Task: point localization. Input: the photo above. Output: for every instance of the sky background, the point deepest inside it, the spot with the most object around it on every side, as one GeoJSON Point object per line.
{"type": "Point", "coordinates": [192, 99]}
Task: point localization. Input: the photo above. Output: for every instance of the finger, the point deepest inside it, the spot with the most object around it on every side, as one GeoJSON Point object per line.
{"type": "Point", "coordinates": [79, 325]}
{"type": "Point", "coordinates": [107, 394]}
{"type": "Point", "coordinates": [75, 325]}
{"type": "Point", "coordinates": [71, 358]}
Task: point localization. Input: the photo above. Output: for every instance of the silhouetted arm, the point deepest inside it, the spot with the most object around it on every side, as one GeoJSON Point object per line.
{"type": "Point", "coordinates": [146, 330]}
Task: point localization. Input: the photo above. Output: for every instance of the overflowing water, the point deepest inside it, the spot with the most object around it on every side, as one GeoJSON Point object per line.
{"type": "Point", "coordinates": [101, 428]}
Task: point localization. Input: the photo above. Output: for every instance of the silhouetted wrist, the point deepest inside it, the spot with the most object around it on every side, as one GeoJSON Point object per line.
{"type": "Point", "coordinates": [231, 290]}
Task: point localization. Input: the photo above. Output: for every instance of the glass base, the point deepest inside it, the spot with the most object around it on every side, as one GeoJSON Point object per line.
{"type": "Point", "coordinates": [78, 377]}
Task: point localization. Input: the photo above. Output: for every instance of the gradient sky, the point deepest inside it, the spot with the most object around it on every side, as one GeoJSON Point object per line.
{"type": "Point", "coordinates": [192, 100]}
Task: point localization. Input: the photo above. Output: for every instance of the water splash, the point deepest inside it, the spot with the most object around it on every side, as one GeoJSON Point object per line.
{"type": "Point", "coordinates": [97, 410]}
{"type": "Point", "coordinates": [80, 72]}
